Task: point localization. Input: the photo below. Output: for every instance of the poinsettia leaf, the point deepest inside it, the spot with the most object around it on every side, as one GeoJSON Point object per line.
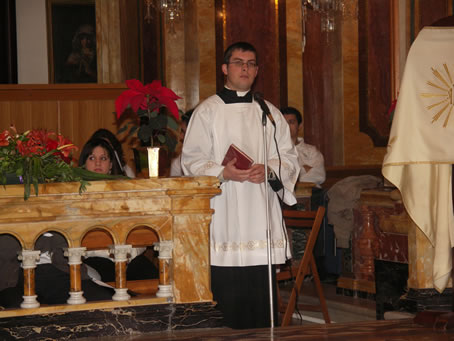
{"type": "Point", "coordinates": [171, 141]}
{"type": "Point", "coordinates": [136, 85]}
{"type": "Point", "coordinates": [161, 122]}
{"type": "Point", "coordinates": [133, 130]}
{"type": "Point", "coordinates": [144, 133]}
{"type": "Point", "coordinates": [171, 105]}
{"type": "Point", "coordinates": [123, 129]}
{"type": "Point", "coordinates": [173, 124]}
{"type": "Point", "coordinates": [161, 138]}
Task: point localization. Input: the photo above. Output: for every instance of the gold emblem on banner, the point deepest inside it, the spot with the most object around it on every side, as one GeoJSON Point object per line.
{"type": "Point", "coordinates": [442, 95]}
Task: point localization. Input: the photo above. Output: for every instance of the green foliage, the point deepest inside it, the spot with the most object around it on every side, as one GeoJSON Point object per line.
{"type": "Point", "coordinates": [36, 157]}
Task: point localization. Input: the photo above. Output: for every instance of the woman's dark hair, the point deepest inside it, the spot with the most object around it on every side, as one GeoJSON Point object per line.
{"type": "Point", "coordinates": [88, 148]}
{"type": "Point", "coordinates": [110, 137]}
{"type": "Point", "coordinates": [187, 116]}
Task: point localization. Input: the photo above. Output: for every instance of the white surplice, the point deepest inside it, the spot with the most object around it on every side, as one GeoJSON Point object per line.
{"type": "Point", "coordinates": [238, 226]}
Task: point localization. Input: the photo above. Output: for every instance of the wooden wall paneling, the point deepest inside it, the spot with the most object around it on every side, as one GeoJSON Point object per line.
{"type": "Point", "coordinates": [282, 53]}
{"type": "Point", "coordinates": [152, 47]}
{"type": "Point", "coordinates": [130, 16]}
{"type": "Point", "coordinates": [318, 86]}
{"type": "Point", "coordinates": [375, 69]}
{"type": "Point", "coordinates": [21, 115]}
{"type": "Point", "coordinates": [72, 113]}
{"type": "Point", "coordinates": [75, 111]}
{"type": "Point", "coordinates": [220, 23]}
{"type": "Point", "coordinates": [261, 29]}
{"type": "Point", "coordinates": [44, 115]}
{"type": "Point", "coordinates": [5, 115]}
{"type": "Point", "coordinates": [431, 11]}
{"type": "Point", "coordinates": [68, 121]}
{"type": "Point", "coordinates": [424, 13]}
{"type": "Point", "coordinates": [40, 92]}
{"type": "Point", "coordinates": [89, 116]}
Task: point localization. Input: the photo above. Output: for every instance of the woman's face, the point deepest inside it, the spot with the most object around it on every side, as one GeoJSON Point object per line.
{"type": "Point", "coordinates": [98, 161]}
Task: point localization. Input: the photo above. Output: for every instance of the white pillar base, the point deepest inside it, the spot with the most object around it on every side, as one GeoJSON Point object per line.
{"type": "Point", "coordinates": [121, 294]}
{"type": "Point", "coordinates": [76, 297]}
{"type": "Point", "coordinates": [30, 302]}
{"type": "Point", "coordinates": [164, 291]}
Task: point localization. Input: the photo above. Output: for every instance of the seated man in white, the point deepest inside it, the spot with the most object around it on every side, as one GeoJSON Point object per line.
{"type": "Point", "coordinates": [309, 157]}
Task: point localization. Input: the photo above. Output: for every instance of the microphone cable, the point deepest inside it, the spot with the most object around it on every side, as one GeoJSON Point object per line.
{"type": "Point", "coordinates": [266, 110]}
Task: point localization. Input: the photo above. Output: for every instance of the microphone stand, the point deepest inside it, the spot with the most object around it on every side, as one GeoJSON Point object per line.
{"type": "Point", "coordinates": [268, 227]}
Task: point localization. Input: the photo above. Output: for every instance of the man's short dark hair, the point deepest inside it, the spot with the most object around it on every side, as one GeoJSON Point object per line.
{"type": "Point", "coordinates": [187, 116]}
{"type": "Point", "coordinates": [241, 45]}
{"type": "Point", "coordinates": [292, 111]}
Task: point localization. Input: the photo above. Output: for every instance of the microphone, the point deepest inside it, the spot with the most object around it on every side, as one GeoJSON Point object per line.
{"type": "Point", "coordinates": [266, 111]}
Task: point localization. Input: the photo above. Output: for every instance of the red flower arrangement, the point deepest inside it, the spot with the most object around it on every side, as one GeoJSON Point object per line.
{"type": "Point", "coordinates": [153, 125]}
{"type": "Point", "coordinates": [36, 156]}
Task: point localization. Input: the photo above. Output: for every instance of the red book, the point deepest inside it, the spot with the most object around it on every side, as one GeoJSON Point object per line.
{"type": "Point", "coordinates": [243, 161]}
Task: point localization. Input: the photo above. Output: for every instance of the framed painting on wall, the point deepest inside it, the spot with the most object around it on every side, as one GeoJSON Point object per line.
{"type": "Point", "coordinates": [71, 31]}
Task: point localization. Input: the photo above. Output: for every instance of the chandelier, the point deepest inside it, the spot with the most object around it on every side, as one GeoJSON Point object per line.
{"type": "Point", "coordinates": [329, 9]}
{"type": "Point", "coordinates": [171, 9]}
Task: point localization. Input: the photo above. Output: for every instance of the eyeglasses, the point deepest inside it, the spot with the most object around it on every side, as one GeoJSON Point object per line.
{"type": "Point", "coordinates": [240, 64]}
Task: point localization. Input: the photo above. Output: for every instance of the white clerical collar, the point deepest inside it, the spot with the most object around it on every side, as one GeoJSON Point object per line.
{"type": "Point", "coordinates": [239, 93]}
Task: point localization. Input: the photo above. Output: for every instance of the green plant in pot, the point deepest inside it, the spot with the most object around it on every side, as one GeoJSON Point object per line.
{"type": "Point", "coordinates": [155, 114]}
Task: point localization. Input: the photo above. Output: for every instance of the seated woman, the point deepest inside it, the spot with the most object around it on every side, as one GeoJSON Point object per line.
{"type": "Point", "coordinates": [107, 135]}
{"type": "Point", "coordinates": [98, 156]}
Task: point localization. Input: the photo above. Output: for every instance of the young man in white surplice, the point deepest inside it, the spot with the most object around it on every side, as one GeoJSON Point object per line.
{"type": "Point", "coordinates": [239, 272]}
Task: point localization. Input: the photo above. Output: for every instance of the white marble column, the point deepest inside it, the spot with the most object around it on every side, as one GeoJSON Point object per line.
{"type": "Point", "coordinates": [74, 255]}
{"type": "Point", "coordinates": [165, 261]}
{"type": "Point", "coordinates": [121, 253]}
{"type": "Point", "coordinates": [29, 259]}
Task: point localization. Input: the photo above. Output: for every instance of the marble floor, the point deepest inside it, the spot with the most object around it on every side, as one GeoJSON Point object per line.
{"type": "Point", "coordinates": [394, 330]}
{"type": "Point", "coordinates": [354, 319]}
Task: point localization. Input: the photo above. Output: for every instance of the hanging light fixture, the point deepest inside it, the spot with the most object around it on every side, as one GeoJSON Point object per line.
{"type": "Point", "coordinates": [171, 9]}
{"type": "Point", "coordinates": [328, 10]}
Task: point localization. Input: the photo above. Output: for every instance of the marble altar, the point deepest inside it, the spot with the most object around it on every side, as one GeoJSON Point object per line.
{"type": "Point", "coordinates": [172, 213]}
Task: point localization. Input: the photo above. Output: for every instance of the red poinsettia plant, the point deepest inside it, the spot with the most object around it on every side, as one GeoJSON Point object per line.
{"type": "Point", "coordinates": [157, 113]}
{"type": "Point", "coordinates": [36, 156]}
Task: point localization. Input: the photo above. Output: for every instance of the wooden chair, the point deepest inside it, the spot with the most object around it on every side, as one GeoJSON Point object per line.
{"type": "Point", "coordinates": [310, 221]}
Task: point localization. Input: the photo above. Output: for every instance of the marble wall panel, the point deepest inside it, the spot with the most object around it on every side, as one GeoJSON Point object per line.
{"type": "Point", "coordinates": [421, 252]}
{"type": "Point", "coordinates": [108, 41]}
{"type": "Point", "coordinates": [358, 147]}
{"type": "Point", "coordinates": [206, 13]}
{"type": "Point", "coordinates": [191, 234]}
{"type": "Point", "coordinates": [294, 54]}
{"type": "Point", "coordinates": [110, 322]}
